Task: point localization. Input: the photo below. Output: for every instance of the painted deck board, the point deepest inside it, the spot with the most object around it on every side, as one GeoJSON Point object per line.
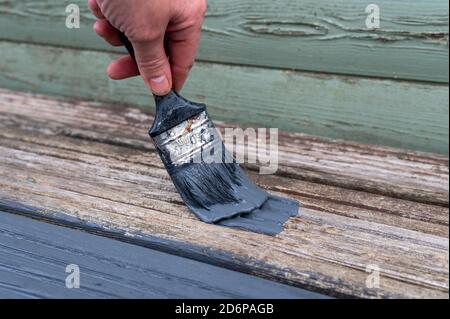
{"type": "Point", "coordinates": [321, 36]}
{"type": "Point", "coordinates": [92, 166]}
{"type": "Point", "coordinates": [400, 114]}
{"type": "Point", "coordinates": [34, 256]}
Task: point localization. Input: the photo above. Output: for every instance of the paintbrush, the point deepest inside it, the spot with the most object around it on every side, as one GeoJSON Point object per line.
{"type": "Point", "coordinates": [209, 180]}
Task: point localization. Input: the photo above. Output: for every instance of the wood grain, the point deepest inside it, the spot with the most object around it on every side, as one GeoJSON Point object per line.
{"type": "Point", "coordinates": [386, 171]}
{"type": "Point", "coordinates": [34, 256]}
{"type": "Point", "coordinates": [322, 36]}
{"type": "Point", "coordinates": [96, 165]}
{"type": "Point", "coordinates": [400, 114]}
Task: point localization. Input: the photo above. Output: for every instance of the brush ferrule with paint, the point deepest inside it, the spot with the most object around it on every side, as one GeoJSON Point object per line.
{"type": "Point", "coordinates": [207, 177]}
{"type": "Point", "coordinates": [193, 141]}
{"type": "Point", "coordinates": [219, 192]}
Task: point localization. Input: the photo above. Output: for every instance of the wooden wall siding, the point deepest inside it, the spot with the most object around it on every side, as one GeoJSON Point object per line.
{"type": "Point", "coordinates": [94, 167]}
{"type": "Point", "coordinates": [315, 35]}
{"type": "Point", "coordinates": [402, 114]}
{"type": "Point", "coordinates": [34, 256]}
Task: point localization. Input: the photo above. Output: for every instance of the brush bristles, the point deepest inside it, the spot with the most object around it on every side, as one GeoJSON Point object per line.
{"type": "Point", "coordinates": [210, 182]}
{"type": "Point", "coordinates": [204, 185]}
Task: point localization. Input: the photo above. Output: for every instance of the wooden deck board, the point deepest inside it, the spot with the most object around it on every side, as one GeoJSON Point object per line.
{"type": "Point", "coordinates": [34, 256]}
{"type": "Point", "coordinates": [378, 206]}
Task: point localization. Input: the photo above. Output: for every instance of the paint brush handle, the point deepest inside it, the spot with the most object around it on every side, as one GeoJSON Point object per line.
{"type": "Point", "coordinates": [127, 43]}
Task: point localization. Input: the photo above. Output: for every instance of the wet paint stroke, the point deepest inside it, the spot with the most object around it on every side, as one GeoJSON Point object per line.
{"type": "Point", "coordinates": [268, 219]}
{"type": "Point", "coordinates": [210, 182]}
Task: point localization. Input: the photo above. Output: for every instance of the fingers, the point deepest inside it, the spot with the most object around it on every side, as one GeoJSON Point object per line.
{"type": "Point", "coordinates": [184, 39]}
{"type": "Point", "coordinates": [104, 29]}
{"type": "Point", "coordinates": [123, 68]}
{"type": "Point", "coordinates": [153, 65]}
{"type": "Point", "coordinates": [148, 35]}
{"type": "Point", "coordinates": [93, 5]}
{"type": "Point", "coordinates": [183, 49]}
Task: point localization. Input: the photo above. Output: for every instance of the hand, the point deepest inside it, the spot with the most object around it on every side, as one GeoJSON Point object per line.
{"type": "Point", "coordinates": [146, 23]}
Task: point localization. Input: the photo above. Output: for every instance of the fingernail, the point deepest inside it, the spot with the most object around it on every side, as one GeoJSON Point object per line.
{"type": "Point", "coordinates": [160, 85]}
{"type": "Point", "coordinates": [95, 26]}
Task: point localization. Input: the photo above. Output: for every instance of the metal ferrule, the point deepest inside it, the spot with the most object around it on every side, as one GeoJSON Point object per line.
{"type": "Point", "coordinates": [193, 141]}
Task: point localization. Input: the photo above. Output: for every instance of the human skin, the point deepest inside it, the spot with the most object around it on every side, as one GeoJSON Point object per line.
{"type": "Point", "coordinates": [147, 23]}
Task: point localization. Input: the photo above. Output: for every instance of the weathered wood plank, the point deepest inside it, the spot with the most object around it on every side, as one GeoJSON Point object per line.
{"type": "Point", "coordinates": [407, 115]}
{"type": "Point", "coordinates": [408, 175]}
{"type": "Point", "coordinates": [34, 256]}
{"type": "Point", "coordinates": [103, 174]}
{"type": "Point", "coordinates": [405, 214]}
{"type": "Point", "coordinates": [310, 35]}
{"type": "Point", "coordinates": [319, 250]}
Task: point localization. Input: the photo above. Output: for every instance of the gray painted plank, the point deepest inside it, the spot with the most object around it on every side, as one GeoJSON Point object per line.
{"type": "Point", "coordinates": [394, 113]}
{"type": "Point", "coordinates": [324, 36]}
{"type": "Point", "coordinates": [34, 256]}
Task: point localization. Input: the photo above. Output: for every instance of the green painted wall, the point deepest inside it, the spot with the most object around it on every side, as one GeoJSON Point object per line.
{"type": "Point", "coordinates": [309, 66]}
{"type": "Point", "coordinates": [315, 35]}
{"type": "Point", "coordinates": [397, 113]}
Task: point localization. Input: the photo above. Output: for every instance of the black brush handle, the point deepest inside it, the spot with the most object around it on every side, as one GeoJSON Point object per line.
{"type": "Point", "coordinates": [127, 43]}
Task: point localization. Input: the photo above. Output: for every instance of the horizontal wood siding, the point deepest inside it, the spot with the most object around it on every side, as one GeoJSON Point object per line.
{"type": "Point", "coordinates": [402, 114]}
{"type": "Point", "coordinates": [314, 35]}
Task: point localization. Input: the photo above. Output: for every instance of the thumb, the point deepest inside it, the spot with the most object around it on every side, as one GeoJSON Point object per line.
{"type": "Point", "coordinates": [154, 66]}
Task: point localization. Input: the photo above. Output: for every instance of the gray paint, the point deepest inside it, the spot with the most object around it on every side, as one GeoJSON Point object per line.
{"type": "Point", "coordinates": [211, 183]}
{"type": "Point", "coordinates": [219, 258]}
{"type": "Point", "coordinates": [269, 219]}
{"type": "Point", "coordinates": [34, 255]}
